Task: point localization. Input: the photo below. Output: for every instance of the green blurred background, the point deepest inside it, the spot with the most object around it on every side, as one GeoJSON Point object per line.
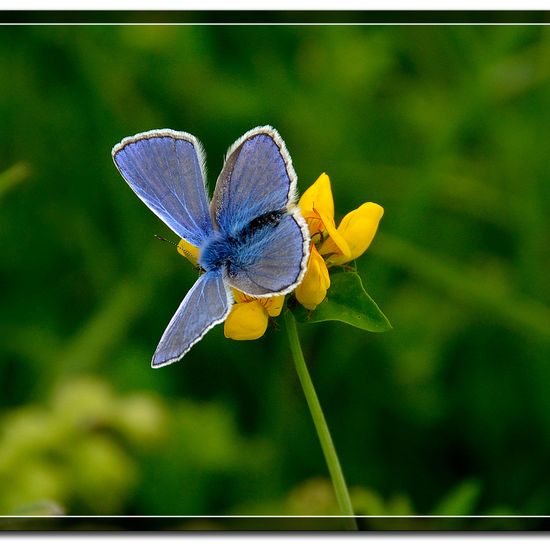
{"type": "Point", "coordinates": [446, 127]}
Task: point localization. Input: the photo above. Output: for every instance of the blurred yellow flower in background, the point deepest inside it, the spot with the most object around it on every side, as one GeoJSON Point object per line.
{"type": "Point", "coordinates": [331, 245]}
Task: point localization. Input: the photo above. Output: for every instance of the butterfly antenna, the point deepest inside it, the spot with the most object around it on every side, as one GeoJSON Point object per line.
{"type": "Point", "coordinates": [164, 240]}
{"type": "Point", "coordinates": [180, 248]}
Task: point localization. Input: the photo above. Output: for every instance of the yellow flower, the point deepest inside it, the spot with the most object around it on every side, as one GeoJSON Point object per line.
{"type": "Point", "coordinates": [248, 317]}
{"type": "Point", "coordinates": [336, 245]}
{"type": "Point", "coordinates": [330, 246]}
{"type": "Point", "coordinates": [313, 289]}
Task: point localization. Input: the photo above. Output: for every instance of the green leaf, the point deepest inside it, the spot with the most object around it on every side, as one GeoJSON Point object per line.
{"type": "Point", "coordinates": [347, 302]}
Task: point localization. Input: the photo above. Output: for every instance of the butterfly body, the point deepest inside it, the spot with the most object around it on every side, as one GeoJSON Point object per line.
{"type": "Point", "coordinates": [251, 237]}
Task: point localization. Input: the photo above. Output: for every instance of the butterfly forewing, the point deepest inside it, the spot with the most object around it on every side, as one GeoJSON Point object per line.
{"type": "Point", "coordinates": [257, 178]}
{"type": "Point", "coordinates": [207, 304]}
{"type": "Point", "coordinates": [165, 170]}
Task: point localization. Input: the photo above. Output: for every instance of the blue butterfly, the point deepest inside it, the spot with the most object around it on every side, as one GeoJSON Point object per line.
{"type": "Point", "coordinates": [251, 236]}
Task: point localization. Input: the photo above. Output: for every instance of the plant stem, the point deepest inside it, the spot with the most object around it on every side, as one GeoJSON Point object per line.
{"type": "Point", "coordinates": [338, 481]}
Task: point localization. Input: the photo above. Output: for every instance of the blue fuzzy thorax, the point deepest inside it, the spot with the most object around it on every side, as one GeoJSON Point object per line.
{"type": "Point", "coordinates": [242, 248]}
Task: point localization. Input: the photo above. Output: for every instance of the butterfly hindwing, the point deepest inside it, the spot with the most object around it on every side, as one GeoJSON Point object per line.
{"type": "Point", "coordinates": [257, 177]}
{"type": "Point", "coordinates": [165, 169]}
{"type": "Point", "coordinates": [207, 304]}
{"type": "Point", "coordinates": [274, 261]}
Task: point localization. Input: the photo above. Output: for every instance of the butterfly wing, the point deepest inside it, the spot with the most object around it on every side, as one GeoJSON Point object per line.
{"type": "Point", "coordinates": [257, 177]}
{"type": "Point", "coordinates": [207, 304]}
{"type": "Point", "coordinates": [272, 261]}
{"type": "Point", "coordinates": [165, 169]}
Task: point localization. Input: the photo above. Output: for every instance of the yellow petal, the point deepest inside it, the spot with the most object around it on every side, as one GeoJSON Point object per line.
{"type": "Point", "coordinates": [314, 223]}
{"type": "Point", "coordinates": [313, 289]}
{"type": "Point", "coordinates": [241, 297]}
{"type": "Point", "coordinates": [338, 243]}
{"type": "Point", "coordinates": [357, 229]}
{"type": "Point", "coordinates": [189, 251]}
{"type": "Point", "coordinates": [274, 305]}
{"type": "Point", "coordinates": [317, 207]}
{"type": "Point", "coordinates": [246, 321]}
{"type": "Point", "coordinates": [318, 197]}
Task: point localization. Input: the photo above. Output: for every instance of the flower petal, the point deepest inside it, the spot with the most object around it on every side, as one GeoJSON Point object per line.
{"type": "Point", "coordinates": [318, 197]}
{"type": "Point", "coordinates": [274, 305]}
{"type": "Point", "coordinates": [338, 243]}
{"type": "Point", "coordinates": [313, 289]}
{"type": "Point", "coordinates": [317, 205]}
{"type": "Point", "coordinates": [246, 321]}
{"type": "Point", "coordinates": [189, 251]}
{"type": "Point", "coordinates": [241, 297]}
{"type": "Point", "coordinates": [314, 223]}
{"type": "Point", "coordinates": [358, 229]}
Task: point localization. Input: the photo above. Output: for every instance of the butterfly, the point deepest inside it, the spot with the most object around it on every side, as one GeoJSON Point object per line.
{"type": "Point", "coordinates": [251, 235]}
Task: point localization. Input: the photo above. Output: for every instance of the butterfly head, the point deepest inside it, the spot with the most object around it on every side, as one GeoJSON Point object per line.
{"type": "Point", "coordinates": [215, 253]}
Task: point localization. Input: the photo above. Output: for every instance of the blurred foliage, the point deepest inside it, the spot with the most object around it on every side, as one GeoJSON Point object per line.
{"type": "Point", "coordinates": [72, 450]}
{"type": "Point", "coordinates": [89, 450]}
{"type": "Point", "coordinates": [316, 497]}
{"type": "Point", "coordinates": [445, 127]}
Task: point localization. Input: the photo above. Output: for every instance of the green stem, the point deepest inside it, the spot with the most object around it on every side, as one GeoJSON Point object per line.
{"type": "Point", "coordinates": [338, 481]}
